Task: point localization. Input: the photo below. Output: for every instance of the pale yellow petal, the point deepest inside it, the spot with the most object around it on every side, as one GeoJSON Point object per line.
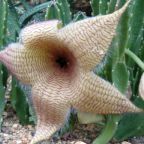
{"type": "Point", "coordinates": [89, 39]}
{"type": "Point", "coordinates": [41, 34]}
{"type": "Point", "coordinates": [95, 95]}
{"type": "Point", "coordinates": [28, 65]}
{"type": "Point", "coordinates": [50, 100]}
{"type": "Point", "coordinates": [87, 118]}
{"type": "Point", "coordinates": [44, 132]}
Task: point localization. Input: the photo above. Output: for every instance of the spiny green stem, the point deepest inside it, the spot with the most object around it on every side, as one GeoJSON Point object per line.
{"type": "Point", "coordinates": [3, 20]}
{"type": "Point", "coordinates": [135, 58]}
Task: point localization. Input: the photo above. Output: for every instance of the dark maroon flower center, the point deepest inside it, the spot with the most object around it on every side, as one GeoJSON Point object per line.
{"type": "Point", "coordinates": [62, 62]}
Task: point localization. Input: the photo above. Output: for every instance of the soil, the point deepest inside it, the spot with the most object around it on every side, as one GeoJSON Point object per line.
{"type": "Point", "coordinates": [13, 132]}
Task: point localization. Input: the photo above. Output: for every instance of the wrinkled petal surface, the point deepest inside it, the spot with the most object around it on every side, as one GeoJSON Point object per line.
{"type": "Point", "coordinates": [57, 62]}
{"type": "Point", "coordinates": [90, 39]}
{"type": "Point", "coordinates": [98, 96]}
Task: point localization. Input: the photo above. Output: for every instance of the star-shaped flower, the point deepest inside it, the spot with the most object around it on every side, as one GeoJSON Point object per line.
{"type": "Point", "coordinates": [58, 62]}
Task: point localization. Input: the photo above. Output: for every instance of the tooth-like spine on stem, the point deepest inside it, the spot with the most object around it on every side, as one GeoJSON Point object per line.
{"type": "Point", "coordinates": [79, 16]}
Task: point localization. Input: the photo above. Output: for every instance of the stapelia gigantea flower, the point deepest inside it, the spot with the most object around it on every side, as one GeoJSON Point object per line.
{"type": "Point", "coordinates": [58, 62]}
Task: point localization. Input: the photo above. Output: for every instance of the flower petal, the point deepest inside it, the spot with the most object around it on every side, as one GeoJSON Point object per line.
{"type": "Point", "coordinates": [50, 100]}
{"type": "Point", "coordinates": [39, 35]}
{"type": "Point", "coordinates": [141, 87]}
{"type": "Point", "coordinates": [98, 96]}
{"type": "Point", "coordinates": [44, 132]}
{"type": "Point", "coordinates": [28, 65]}
{"type": "Point", "coordinates": [89, 39]}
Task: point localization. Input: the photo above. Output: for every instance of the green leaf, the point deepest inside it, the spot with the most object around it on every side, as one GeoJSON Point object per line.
{"type": "Point", "coordinates": [130, 125]}
{"type": "Point", "coordinates": [25, 4]}
{"type": "Point", "coordinates": [103, 6]}
{"type": "Point", "coordinates": [111, 6]}
{"type": "Point", "coordinates": [136, 17]}
{"type": "Point", "coordinates": [95, 7]}
{"type": "Point", "coordinates": [19, 103]}
{"type": "Point", "coordinates": [27, 92]}
{"type": "Point", "coordinates": [120, 76]}
{"type": "Point", "coordinates": [32, 11]}
{"type": "Point", "coordinates": [2, 95]}
{"type": "Point", "coordinates": [108, 131]}
{"type": "Point", "coordinates": [3, 21]}
{"type": "Point", "coordinates": [53, 11]}
{"type": "Point", "coordinates": [64, 11]}
{"type": "Point", "coordinates": [122, 32]}
{"type": "Point", "coordinates": [13, 27]}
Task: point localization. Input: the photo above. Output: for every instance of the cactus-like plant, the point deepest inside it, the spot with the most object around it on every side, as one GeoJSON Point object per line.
{"type": "Point", "coordinates": [122, 66]}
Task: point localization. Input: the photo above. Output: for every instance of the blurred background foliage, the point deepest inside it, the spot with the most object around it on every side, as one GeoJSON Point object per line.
{"type": "Point", "coordinates": [122, 66]}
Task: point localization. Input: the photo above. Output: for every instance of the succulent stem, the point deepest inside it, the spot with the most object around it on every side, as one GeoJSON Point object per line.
{"type": "Point", "coordinates": [135, 58]}
{"type": "Point", "coordinates": [108, 131]}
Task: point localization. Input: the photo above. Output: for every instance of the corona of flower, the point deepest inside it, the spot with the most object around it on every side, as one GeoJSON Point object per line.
{"type": "Point", "coordinates": [58, 63]}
